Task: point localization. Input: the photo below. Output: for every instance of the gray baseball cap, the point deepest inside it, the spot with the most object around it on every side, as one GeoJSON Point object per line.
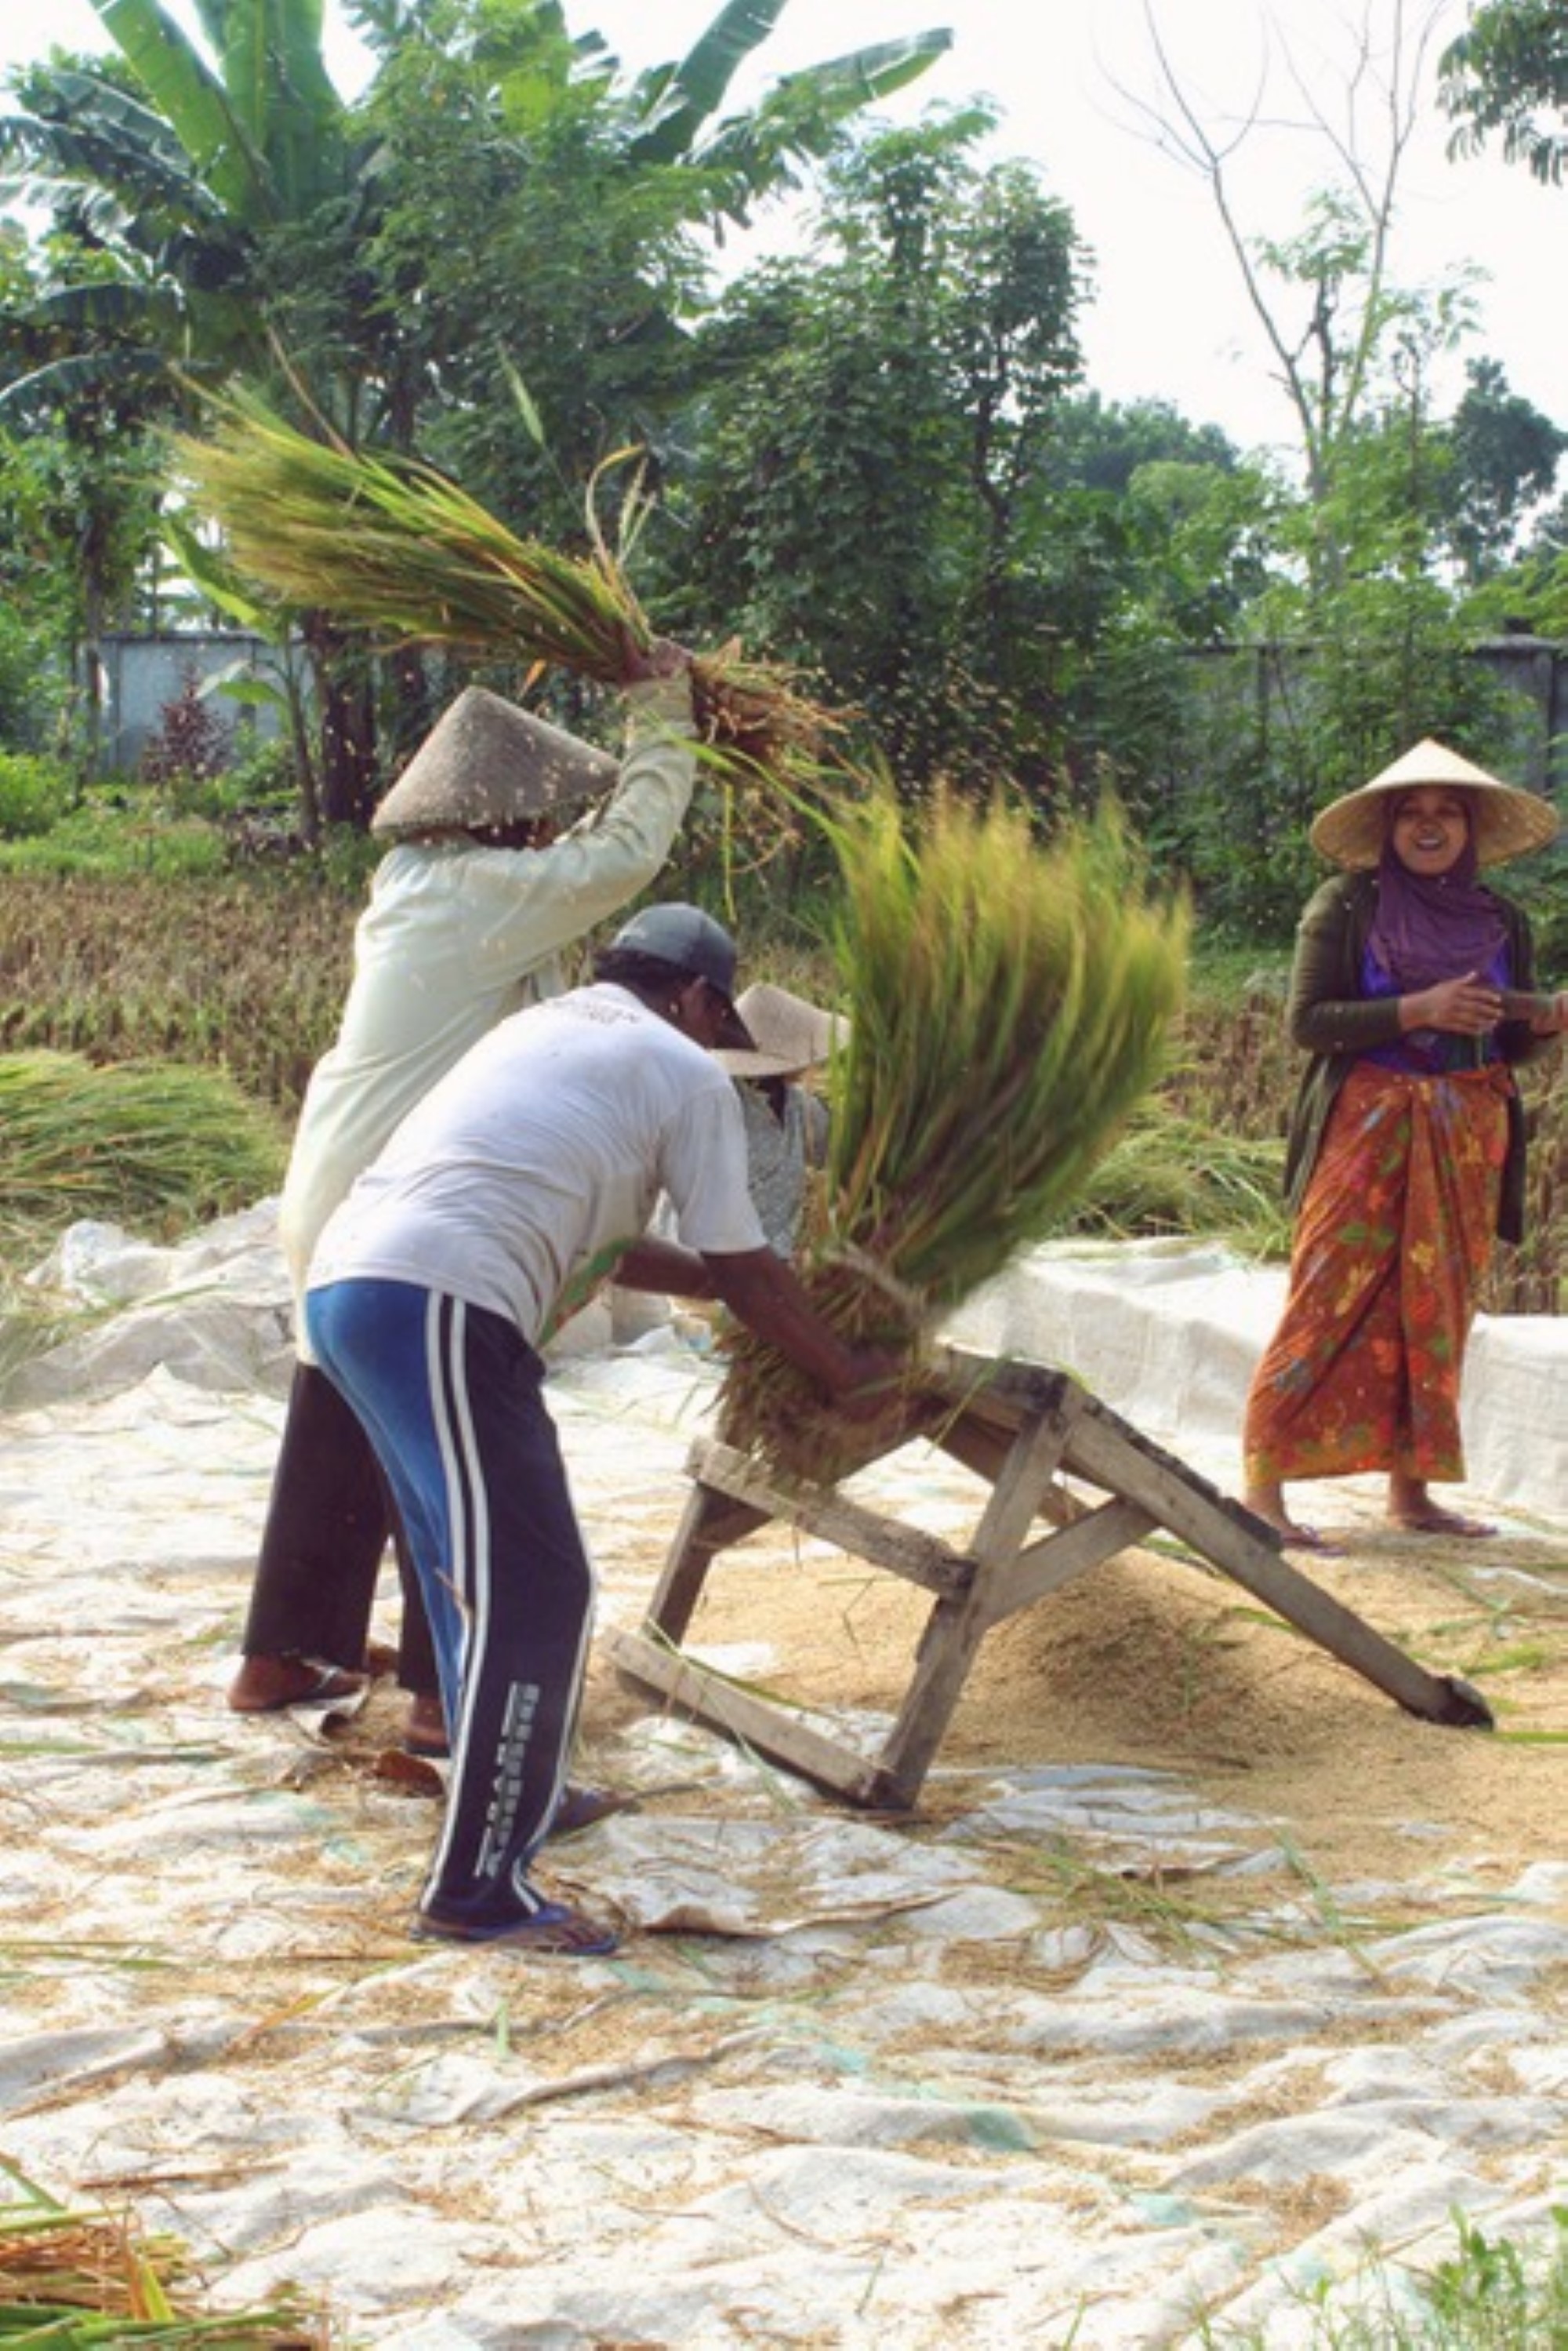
{"type": "Point", "coordinates": [685, 937]}
{"type": "Point", "coordinates": [689, 940]}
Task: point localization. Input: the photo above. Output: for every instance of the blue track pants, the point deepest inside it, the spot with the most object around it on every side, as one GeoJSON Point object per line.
{"type": "Point", "coordinates": [450, 1395]}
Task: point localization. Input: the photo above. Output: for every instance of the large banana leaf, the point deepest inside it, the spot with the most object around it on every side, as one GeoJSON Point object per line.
{"type": "Point", "coordinates": [681, 99]}
{"type": "Point", "coordinates": [265, 132]}
{"type": "Point", "coordinates": [192, 100]}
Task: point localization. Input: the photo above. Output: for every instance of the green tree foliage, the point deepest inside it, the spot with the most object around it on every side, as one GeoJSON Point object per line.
{"type": "Point", "coordinates": [506, 209]}
{"type": "Point", "coordinates": [1506, 458]}
{"type": "Point", "coordinates": [79, 499]}
{"type": "Point", "coordinates": [863, 488]}
{"type": "Point", "coordinates": [1508, 72]}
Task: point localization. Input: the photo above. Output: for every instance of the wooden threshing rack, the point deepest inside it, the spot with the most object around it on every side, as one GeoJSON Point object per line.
{"type": "Point", "coordinates": [1026, 1430]}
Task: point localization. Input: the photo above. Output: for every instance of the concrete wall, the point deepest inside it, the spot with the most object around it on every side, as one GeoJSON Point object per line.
{"type": "Point", "coordinates": [141, 673]}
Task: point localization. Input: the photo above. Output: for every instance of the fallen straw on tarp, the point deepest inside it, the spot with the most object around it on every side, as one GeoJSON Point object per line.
{"type": "Point", "coordinates": [391, 546]}
{"type": "Point", "coordinates": [1008, 1003]}
{"type": "Point", "coordinates": [89, 2281]}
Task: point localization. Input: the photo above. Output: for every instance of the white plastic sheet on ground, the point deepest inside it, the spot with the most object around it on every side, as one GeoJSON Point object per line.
{"type": "Point", "coordinates": [847, 2082]}
{"type": "Point", "coordinates": [1169, 1333]}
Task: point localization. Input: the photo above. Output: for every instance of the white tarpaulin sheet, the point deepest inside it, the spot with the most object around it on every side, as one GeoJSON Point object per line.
{"type": "Point", "coordinates": [848, 2082]}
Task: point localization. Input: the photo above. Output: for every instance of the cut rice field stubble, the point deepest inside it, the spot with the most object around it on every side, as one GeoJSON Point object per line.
{"type": "Point", "coordinates": [248, 974]}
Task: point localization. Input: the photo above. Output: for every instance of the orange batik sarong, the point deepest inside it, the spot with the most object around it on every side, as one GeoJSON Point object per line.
{"type": "Point", "coordinates": [1392, 1244]}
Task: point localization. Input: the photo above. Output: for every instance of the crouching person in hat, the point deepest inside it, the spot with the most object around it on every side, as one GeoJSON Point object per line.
{"type": "Point", "coordinates": [525, 1179]}
{"type": "Point", "coordinates": [1413, 994]}
{"type": "Point", "coordinates": [468, 912]}
{"type": "Point", "coordinates": [785, 1123]}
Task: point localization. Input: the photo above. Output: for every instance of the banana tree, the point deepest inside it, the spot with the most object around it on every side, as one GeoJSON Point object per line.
{"type": "Point", "coordinates": [251, 213]}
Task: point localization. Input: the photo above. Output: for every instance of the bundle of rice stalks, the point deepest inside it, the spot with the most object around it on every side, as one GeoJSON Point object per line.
{"type": "Point", "coordinates": [1173, 1174]}
{"type": "Point", "coordinates": [1008, 1003]}
{"type": "Point", "coordinates": [157, 1146]}
{"type": "Point", "coordinates": [394, 547]}
{"type": "Point", "coordinates": [83, 2282]}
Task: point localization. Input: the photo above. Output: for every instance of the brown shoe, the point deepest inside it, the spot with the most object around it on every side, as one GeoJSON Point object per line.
{"type": "Point", "coordinates": [425, 1726]}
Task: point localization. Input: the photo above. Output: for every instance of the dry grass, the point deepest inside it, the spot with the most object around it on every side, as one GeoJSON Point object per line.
{"type": "Point", "coordinates": [72, 2279]}
{"type": "Point", "coordinates": [250, 974]}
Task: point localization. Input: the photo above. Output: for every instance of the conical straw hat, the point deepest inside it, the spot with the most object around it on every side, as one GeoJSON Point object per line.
{"type": "Point", "coordinates": [1505, 821]}
{"type": "Point", "coordinates": [485, 762]}
{"type": "Point", "coordinates": [788, 1035]}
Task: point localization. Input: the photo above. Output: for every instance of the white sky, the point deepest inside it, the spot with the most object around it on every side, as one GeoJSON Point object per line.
{"type": "Point", "coordinates": [1168, 319]}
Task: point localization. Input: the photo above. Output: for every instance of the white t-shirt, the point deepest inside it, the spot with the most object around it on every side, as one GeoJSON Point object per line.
{"type": "Point", "coordinates": [520, 1179]}
{"type": "Point", "coordinates": [458, 936]}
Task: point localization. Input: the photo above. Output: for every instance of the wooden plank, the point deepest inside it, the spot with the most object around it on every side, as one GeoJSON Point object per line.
{"type": "Point", "coordinates": [709, 1523]}
{"type": "Point", "coordinates": [903, 1551]}
{"type": "Point", "coordinates": [998, 1389]}
{"type": "Point", "coordinates": [954, 1632]}
{"type": "Point", "coordinates": [752, 1721]}
{"type": "Point", "coordinates": [1112, 1454]}
{"type": "Point", "coordinates": [1021, 1482]}
{"type": "Point", "coordinates": [984, 1446]}
{"type": "Point", "coordinates": [1247, 1550]}
{"type": "Point", "coordinates": [1054, 1560]}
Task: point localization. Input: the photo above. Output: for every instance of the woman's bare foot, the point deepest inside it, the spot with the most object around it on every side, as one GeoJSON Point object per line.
{"type": "Point", "coordinates": [1267, 1503]}
{"type": "Point", "coordinates": [267, 1685]}
{"type": "Point", "coordinates": [1412, 1508]}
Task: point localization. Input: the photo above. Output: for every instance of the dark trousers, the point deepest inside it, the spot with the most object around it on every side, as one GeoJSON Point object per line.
{"type": "Point", "coordinates": [329, 1519]}
{"type": "Point", "coordinates": [452, 1396]}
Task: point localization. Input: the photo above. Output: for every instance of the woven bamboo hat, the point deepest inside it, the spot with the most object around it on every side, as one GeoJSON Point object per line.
{"type": "Point", "coordinates": [1505, 821]}
{"type": "Point", "coordinates": [485, 762]}
{"type": "Point", "coordinates": [788, 1035]}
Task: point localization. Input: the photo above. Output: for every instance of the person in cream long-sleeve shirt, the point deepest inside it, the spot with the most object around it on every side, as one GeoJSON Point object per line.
{"type": "Point", "coordinates": [468, 915]}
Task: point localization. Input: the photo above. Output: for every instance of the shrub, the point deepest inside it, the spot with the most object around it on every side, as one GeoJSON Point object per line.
{"type": "Point", "coordinates": [191, 745]}
{"type": "Point", "coordinates": [34, 793]}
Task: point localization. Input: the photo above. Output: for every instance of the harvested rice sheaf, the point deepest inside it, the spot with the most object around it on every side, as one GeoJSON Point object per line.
{"type": "Point", "coordinates": [391, 546]}
{"type": "Point", "coordinates": [155, 1145]}
{"type": "Point", "coordinates": [1010, 1001]}
{"type": "Point", "coordinates": [89, 2281]}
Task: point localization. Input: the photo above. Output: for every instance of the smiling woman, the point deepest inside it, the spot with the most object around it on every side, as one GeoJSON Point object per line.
{"type": "Point", "coordinates": [1406, 1151]}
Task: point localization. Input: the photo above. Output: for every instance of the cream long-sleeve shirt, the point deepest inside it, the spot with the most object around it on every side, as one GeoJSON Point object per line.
{"type": "Point", "coordinates": [456, 937]}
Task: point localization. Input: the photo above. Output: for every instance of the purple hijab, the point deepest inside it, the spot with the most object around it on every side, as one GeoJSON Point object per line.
{"type": "Point", "coordinates": [1433, 926]}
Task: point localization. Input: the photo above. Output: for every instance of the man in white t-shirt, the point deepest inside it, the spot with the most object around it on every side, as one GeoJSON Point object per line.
{"type": "Point", "coordinates": [519, 1184]}
{"type": "Point", "coordinates": [470, 913]}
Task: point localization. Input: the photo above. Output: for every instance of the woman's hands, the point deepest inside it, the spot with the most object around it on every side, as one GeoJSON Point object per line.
{"type": "Point", "coordinates": [660, 657]}
{"type": "Point", "coordinates": [1467, 1007]}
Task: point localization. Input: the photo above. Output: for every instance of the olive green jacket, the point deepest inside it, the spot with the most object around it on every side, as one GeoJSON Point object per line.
{"type": "Point", "coordinates": [1332, 1022]}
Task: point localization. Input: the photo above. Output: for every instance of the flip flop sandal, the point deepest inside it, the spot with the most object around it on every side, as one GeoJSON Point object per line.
{"type": "Point", "coordinates": [550, 1932]}
{"type": "Point", "coordinates": [327, 1685]}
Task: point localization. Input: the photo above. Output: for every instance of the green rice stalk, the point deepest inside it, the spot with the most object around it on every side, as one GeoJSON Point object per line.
{"type": "Point", "coordinates": [1169, 1174]}
{"type": "Point", "coordinates": [1008, 1003]}
{"type": "Point", "coordinates": [75, 2280]}
{"type": "Point", "coordinates": [157, 1146]}
{"type": "Point", "coordinates": [391, 546]}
